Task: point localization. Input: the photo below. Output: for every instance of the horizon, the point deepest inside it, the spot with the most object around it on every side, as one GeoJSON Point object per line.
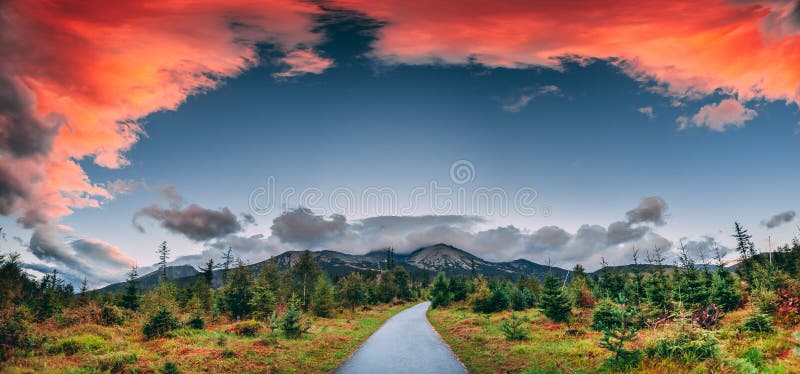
{"type": "Point", "coordinates": [353, 126]}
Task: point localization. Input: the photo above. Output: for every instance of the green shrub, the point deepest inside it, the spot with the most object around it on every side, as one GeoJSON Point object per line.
{"type": "Point", "coordinates": [115, 362]}
{"type": "Point", "coordinates": [170, 368]}
{"type": "Point", "coordinates": [514, 328]}
{"type": "Point", "coordinates": [247, 328]}
{"type": "Point", "coordinates": [110, 315]}
{"type": "Point", "coordinates": [618, 327]}
{"type": "Point", "coordinates": [159, 324]}
{"type": "Point", "coordinates": [291, 323]}
{"type": "Point", "coordinates": [196, 323]}
{"type": "Point", "coordinates": [754, 357]}
{"type": "Point", "coordinates": [758, 322]}
{"type": "Point", "coordinates": [689, 345]}
{"type": "Point", "coordinates": [13, 335]}
{"type": "Point", "coordinates": [72, 345]}
{"type": "Point", "coordinates": [603, 314]}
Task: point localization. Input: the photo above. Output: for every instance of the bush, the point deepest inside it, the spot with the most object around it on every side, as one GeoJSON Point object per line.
{"type": "Point", "coordinates": [13, 335]}
{"type": "Point", "coordinates": [603, 314]}
{"type": "Point", "coordinates": [514, 329]}
{"type": "Point", "coordinates": [170, 368]}
{"type": "Point", "coordinates": [247, 328]}
{"type": "Point", "coordinates": [754, 357]}
{"type": "Point", "coordinates": [196, 323]}
{"type": "Point", "coordinates": [72, 345]}
{"type": "Point", "coordinates": [689, 345]}
{"type": "Point", "coordinates": [115, 362]}
{"type": "Point", "coordinates": [110, 316]}
{"type": "Point", "coordinates": [160, 324]}
{"type": "Point", "coordinates": [758, 322]}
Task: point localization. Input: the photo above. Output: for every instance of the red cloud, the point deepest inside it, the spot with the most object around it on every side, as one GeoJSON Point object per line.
{"type": "Point", "coordinates": [77, 75]}
{"type": "Point", "coordinates": [692, 47]}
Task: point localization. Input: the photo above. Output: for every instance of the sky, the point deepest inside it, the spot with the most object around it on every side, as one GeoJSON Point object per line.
{"type": "Point", "coordinates": [562, 132]}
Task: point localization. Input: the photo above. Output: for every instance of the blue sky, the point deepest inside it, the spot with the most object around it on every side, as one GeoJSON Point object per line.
{"type": "Point", "coordinates": [589, 138]}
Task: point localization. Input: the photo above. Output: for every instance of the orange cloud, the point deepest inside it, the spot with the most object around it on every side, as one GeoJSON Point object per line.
{"type": "Point", "coordinates": [691, 48]}
{"type": "Point", "coordinates": [304, 62]}
{"type": "Point", "coordinates": [77, 76]}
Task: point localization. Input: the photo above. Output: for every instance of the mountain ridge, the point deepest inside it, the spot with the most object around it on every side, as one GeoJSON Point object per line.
{"type": "Point", "coordinates": [432, 259]}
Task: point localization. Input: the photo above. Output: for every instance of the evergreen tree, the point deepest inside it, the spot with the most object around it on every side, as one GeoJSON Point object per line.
{"type": "Point", "coordinates": [304, 272]}
{"type": "Point", "coordinates": [402, 282]}
{"type": "Point", "coordinates": [555, 303]}
{"type": "Point", "coordinates": [440, 292]}
{"type": "Point", "coordinates": [479, 298]}
{"type": "Point", "coordinates": [227, 261]}
{"type": "Point", "coordinates": [352, 290]}
{"type": "Point", "coordinates": [130, 296]}
{"type": "Point", "coordinates": [322, 300]}
{"type": "Point", "coordinates": [163, 256]}
{"type": "Point", "coordinates": [263, 302]}
{"type": "Point", "coordinates": [657, 287]}
{"type": "Point", "coordinates": [238, 291]}
{"type": "Point", "coordinates": [208, 272]}
{"type": "Point", "coordinates": [459, 289]}
{"type": "Point", "coordinates": [292, 322]}
{"type": "Point", "coordinates": [387, 287]}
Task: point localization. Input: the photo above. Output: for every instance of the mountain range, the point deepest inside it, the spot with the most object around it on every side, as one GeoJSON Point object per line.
{"type": "Point", "coordinates": [425, 261]}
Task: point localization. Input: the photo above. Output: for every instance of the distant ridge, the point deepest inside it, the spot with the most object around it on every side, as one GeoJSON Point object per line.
{"type": "Point", "coordinates": [430, 259]}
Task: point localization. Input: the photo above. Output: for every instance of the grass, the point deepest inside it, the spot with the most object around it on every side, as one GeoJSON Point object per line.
{"type": "Point", "coordinates": [479, 342]}
{"type": "Point", "coordinates": [90, 348]}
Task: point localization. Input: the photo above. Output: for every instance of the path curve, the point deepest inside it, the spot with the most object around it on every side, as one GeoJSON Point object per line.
{"type": "Point", "coordinates": [406, 343]}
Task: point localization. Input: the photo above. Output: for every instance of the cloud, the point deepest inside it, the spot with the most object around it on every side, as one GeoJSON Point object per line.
{"type": "Point", "coordinates": [651, 209]}
{"type": "Point", "coordinates": [89, 257]}
{"type": "Point", "coordinates": [718, 117]}
{"type": "Point", "coordinates": [745, 47]}
{"type": "Point", "coordinates": [303, 62]}
{"type": "Point", "coordinates": [301, 226]}
{"type": "Point", "coordinates": [516, 104]}
{"type": "Point", "coordinates": [195, 222]}
{"type": "Point", "coordinates": [121, 187]}
{"type": "Point", "coordinates": [779, 219]}
{"type": "Point", "coordinates": [647, 111]}
{"type": "Point", "coordinates": [76, 78]}
{"type": "Point", "coordinates": [302, 229]}
{"type": "Point", "coordinates": [169, 193]}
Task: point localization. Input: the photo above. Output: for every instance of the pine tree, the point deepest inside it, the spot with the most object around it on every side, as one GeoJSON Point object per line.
{"type": "Point", "coordinates": [130, 297]}
{"type": "Point", "coordinates": [440, 292]}
{"type": "Point", "coordinates": [238, 291]}
{"type": "Point", "coordinates": [163, 256]}
{"type": "Point", "coordinates": [292, 322]}
{"type": "Point", "coordinates": [353, 291]}
{"type": "Point", "coordinates": [263, 302]}
{"type": "Point", "coordinates": [387, 288]}
{"type": "Point", "coordinates": [555, 303]}
{"type": "Point", "coordinates": [227, 261]}
{"type": "Point", "coordinates": [305, 271]}
{"type": "Point", "coordinates": [402, 282]}
{"type": "Point", "coordinates": [322, 299]}
{"type": "Point", "coordinates": [208, 272]}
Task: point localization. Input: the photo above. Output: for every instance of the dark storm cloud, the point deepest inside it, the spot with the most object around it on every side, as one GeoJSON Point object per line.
{"type": "Point", "coordinates": [651, 209]}
{"type": "Point", "coordinates": [779, 219]}
{"type": "Point", "coordinates": [12, 189]}
{"type": "Point", "coordinates": [195, 222]}
{"type": "Point", "coordinates": [22, 134]}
